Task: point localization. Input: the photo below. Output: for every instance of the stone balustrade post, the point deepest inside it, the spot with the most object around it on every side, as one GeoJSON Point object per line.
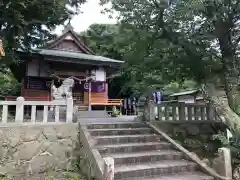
{"type": "Point", "coordinates": [151, 109]}
{"type": "Point", "coordinates": [19, 116]}
{"type": "Point", "coordinates": [222, 164]}
{"type": "Point", "coordinates": [108, 173]}
{"type": "Point", "coordinates": [69, 111]}
{"type": "Point", "coordinates": [4, 113]}
{"type": "Point", "coordinates": [210, 112]}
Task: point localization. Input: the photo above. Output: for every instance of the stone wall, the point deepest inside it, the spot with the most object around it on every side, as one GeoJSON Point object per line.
{"type": "Point", "coordinates": [196, 136]}
{"type": "Point", "coordinates": [36, 148]}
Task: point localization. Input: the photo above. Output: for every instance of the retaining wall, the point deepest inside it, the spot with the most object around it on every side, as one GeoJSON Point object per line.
{"type": "Point", "coordinates": [196, 136]}
{"type": "Point", "coordinates": [36, 148]}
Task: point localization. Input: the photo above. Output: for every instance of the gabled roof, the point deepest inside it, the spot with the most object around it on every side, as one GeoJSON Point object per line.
{"type": "Point", "coordinates": [69, 35]}
{"type": "Point", "coordinates": [75, 55]}
{"type": "Point", "coordinates": [70, 49]}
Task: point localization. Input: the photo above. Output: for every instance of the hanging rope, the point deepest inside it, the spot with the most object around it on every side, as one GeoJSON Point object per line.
{"type": "Point", "coordinates": [72, 77]}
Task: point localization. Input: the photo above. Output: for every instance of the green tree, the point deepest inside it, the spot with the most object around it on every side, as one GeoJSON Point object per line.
{"type": "Point", "coordinates": [187, 39]}
{"type": "Point", "coordinates": [174, 87]}
{"type": "Point", "coordinates": [101, 38]}
{"type": "Point", "coordinates": [9, 85]}
{"type": "Point", "coordinates": [24, 23]}
{"type": "Point", "coordinates": [113, 41]}
{"type": "Point", "coordinates": [117, 41]}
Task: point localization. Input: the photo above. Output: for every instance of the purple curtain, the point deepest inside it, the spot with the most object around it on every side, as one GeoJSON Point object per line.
{"type": "Point", "coordinates": [96, 86]}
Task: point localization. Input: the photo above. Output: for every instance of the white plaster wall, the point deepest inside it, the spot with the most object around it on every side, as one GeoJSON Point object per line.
{"type": "Point", "coordinates": [100, 74]}
{"type": "Point", "coordinates": [187, 99]}
{"type": "Point", "coordinates": [32, 68]}
{"type": "Point", "coordinates": [44, 69]}
{"type": "Point", "coordinates": [68, 38]}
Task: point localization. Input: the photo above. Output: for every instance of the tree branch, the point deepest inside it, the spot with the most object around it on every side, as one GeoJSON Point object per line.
{"type": "Point", "coordinates": [235, 7]}
{"type": "Point", "coordinates": [236, 43]}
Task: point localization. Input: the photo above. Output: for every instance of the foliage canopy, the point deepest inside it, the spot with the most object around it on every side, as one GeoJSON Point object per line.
{"type": "Point", "coordinates": [24, 23]}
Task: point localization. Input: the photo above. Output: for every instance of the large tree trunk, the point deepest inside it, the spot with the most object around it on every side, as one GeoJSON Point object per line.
{"type": "Point", "coordinates": [231, 66]}
{"type": "Point", "coordinates": [232, 94]}
{"type": "Point", "coordinates": [222, 107]}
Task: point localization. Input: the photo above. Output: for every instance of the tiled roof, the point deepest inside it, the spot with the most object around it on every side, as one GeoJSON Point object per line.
{"type": "Point", "coordinates": [76, 55]}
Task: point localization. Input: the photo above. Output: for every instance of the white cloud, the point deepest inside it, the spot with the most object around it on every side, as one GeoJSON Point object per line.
{"type": "Point", "coordinates": [91, 13]}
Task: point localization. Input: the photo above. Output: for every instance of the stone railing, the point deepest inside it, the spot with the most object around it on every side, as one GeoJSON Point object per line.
{"type": "Point", "coordinates": [101, 168]}
{"type": "Point", "coordinates": [178, 112]}
{"type": "Point", "coordinates": [21, 111]}
{"type": "Point", "coordinates": [222, 167]}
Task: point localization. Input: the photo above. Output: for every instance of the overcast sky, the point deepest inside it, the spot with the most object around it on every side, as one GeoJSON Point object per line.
{"type": "Point", "coordinates": [91, 14]}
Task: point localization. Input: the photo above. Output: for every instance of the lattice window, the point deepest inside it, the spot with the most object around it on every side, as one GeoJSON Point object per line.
{"type": "Point", "coordinates": [78, 97]}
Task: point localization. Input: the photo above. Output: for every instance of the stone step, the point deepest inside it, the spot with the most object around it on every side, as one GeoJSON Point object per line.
{"type": "Point", "coordinates": [133, 147]}
{"type": "Point", "coordinates": [92, 114]}
{"type": "Point", "coordinates": [154, 169]}
{"type": "Point", "coordinates": [178, 176]}
{"type": "Point", "coordinates": [122, 131]}
{"type": "Point", "coordinates": [118, 125]}
{"type": "Point", "coordinates": [144, 157]}
{"type": "Point", "coordinates": [101, 140]}
{"type": "Point", "coordinates": [82, 108]}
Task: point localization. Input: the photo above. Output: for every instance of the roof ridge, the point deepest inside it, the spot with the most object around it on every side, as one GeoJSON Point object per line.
{"type": "Point", "coordinates": [76, 39]}
{"type": "Point", "coordinates": [75, 55]}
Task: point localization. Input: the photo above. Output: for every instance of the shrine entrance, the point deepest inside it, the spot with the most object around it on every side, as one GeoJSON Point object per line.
{"type": "Point", "coordinates": [77, 90]}
{"type": "Point", "coordinates": [80, 90]}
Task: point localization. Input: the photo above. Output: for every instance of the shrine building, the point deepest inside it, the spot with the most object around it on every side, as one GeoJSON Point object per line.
{"type": "Point", "coordinates": [65, 57]}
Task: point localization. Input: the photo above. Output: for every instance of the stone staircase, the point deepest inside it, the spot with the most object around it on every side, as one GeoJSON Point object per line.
{"type": "Point", "coordinates": [92, 114]}
{"type": "Point", "coordinates": [82, 108]}
{"type": "Point", "coordinates": [141, 154]}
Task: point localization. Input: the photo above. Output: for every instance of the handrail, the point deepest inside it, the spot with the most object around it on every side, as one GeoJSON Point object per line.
{"type": "Point", "coordinates": [193, 157]}
{"type": "Point", "coordinates": [35, 103]}
{"type": "Point", "coordinates": [96, 161]}
{"type": "Point", "coordinates": [106, 101]}
{"type": "Point", "coordinates": [20, 103]}
{"type": "Point", "coordinates": [179, 112]}
{"type": "Point", "coordinates": [43, 98]}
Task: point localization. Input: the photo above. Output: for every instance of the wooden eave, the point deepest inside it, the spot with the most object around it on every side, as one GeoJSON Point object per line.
{"type": "Point", "coordinates": [80, 61]}
{"type": "Point", "coordinates": [19, 69]}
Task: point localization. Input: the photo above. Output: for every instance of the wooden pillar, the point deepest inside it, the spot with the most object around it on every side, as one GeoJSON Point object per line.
{"type": "Point", "coordinates": [22, 87]}
{"type": "Point", "coordinates": [51, 91]}
{"type": "Point", "coordinates": [89, 96]}
{"type": "Point", "coordinates": [106, 89]}
{"type": "Point", "coordinates": [85, 98]}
